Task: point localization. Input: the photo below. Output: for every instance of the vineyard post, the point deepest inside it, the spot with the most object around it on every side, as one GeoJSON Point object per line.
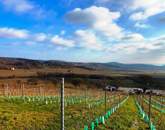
{"type": "Point", "coordinates": [22, 88]}
{"type": "Point", "coordinates": [150, 105]}
{"type": "Point", "coordinates": [43, 90]}
{"type": "Point", "coordinates": [62, 104]}
{"type": "Point", "coordinates": [114, 98]}
{"type": "Point", "coordinates": [119, 97]}
{"type": "Point", "coordinates": [161, 100]}
{"type": "Point", "coordinates": [137, 97]}
{"type": "Point", "coordinates": [142, 100]}
{"type": "Point", "coordinates": [86, 97]}
{"type": "Point", "coordinates": [105, 98]}
{"type": "Point", "coordinates": [140, 97]}
{"type": "Point", "coordinates": [40, 94]}
{"type": "Point", "coordinates": [7, 89]}
{"type": "Point", "coordinates": [4, 90]}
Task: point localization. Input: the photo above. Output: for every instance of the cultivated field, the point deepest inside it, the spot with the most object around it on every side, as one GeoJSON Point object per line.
{"type": "Point", "coordinates": [84, 110]}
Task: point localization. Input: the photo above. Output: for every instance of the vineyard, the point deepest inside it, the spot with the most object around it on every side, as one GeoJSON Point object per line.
{"type": "Point", "coordinates": [113, 111]}
{"type": "Point", "coordinates": [82, 64]}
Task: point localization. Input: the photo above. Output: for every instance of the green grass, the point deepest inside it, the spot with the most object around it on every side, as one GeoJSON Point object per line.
{"type": "Point", "coordinates": [125, 118]}
{"type": "Point", "coordinates": [26, 116]}
{"type": "Point", "coordinates": [157, 117]}
{"type": "Point", "coordinates": [19, 115]}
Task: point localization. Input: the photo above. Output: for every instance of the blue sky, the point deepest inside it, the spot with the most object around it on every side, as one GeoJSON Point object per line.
{"type": "Point", "coordinates": [127, 31]}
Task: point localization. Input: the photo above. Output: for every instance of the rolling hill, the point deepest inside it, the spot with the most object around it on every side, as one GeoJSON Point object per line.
{"type": "Point", "coordinates": [7, 63]}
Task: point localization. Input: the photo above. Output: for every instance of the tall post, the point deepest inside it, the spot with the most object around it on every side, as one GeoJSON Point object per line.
{"type": "Point", "coordinates": [142, 100]}
{"type": "Point", "coordinates": [4, 90]}
{"type": "Point", "coordinates": [119, 98]}
{"type": "Point", "coordinates": [62, 104]}
{"type": "Point", "coordinates": [105, 97]}
{"type": "Point", "coordinates": [86, 98]}
{"type": "Point", "coordinates": [138, 97]}
{"type": "Point", "coordinates": [22, 87]}
{"type": "Point", "coordinates": [162, 101]}
{"type": "Point", "coordinates": [7, 89]}
{"type": "Point", "coordinates": [149, 113]}
{"type": "Point", "coordinates": [114, 98]}
{"type": "Point", "coordinates": [40, 93]}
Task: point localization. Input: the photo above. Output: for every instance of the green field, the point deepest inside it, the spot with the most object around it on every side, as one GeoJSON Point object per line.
{"type": "Point", "coordinates": [43, 113]}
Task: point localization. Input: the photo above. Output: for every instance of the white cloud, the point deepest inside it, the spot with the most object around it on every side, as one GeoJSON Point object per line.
{"type": "Point", "coordinates": [13, 33]}
{"type": "Point", "coordinates": [144, 45]}
{"type": "Point", "coordinates": [62, 41]}
{"type": "Point", "coordinates": [100, 19]}
{"type": "Point", "coordinates": [29, 37]}
{"type": "Point", "coordinates": [145, 9]}
{"type": "Point", "coordinates": [18, 5]}
{"type": "Point", "coordinates": [22, 7]}
{"type": "Point", "coordinates": [88, 40]}
{"type": "Point", "coordinates": [144, 51]}
{"type": "Point", "coordinates": [104, 28]}
{"type": "Point", "coordinates": [140, 9]}
{"type": "Point", "coordinates": [40, 37]}
{"type": "Point", "coordinates": [142, 25]}
{"type": "Point", "coordinates": [132, 37]}
{"type": "Point", "coordinates": [138, 16]}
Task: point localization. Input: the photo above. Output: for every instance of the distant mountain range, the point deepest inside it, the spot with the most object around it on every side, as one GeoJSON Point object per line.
{"type": "Point", "coordinates": [6, 63]}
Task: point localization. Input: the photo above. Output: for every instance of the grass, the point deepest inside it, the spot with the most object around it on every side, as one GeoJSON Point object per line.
{"type": "Point", "coordinates": [19, 115]}
{"type": "Point", "coordinates": [26, 116]}
{"type": "Point", "coordinates": [33, 72]}
{"type": "Point", "coordinates": [125, 118]}
{"type": "Point", "coordinates": [157, 117]}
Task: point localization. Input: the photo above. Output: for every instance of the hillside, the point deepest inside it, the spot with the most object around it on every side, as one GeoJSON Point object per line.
{"type": "Point", "coordinates": [6, 63]}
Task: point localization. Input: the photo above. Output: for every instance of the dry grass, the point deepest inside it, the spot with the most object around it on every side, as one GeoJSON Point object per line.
{"type": "Point", "coordinates": [33, 72]}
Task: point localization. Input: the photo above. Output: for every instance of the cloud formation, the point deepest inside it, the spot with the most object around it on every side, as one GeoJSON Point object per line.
{"type": "Point", "coordinates": [132, 37]}
{"type": "Point", "coordinates": [88, 40]}
{"type": "Point", "coordinates": [29, 37]}
{"type": "Point", "coordinates": [6, 32]}
{"type": "Point", "coordinates": [145, 9]}
{"type": "Point", "coordinates": [57, 40]}
{"type": "Point", "coordinates": [144, 51]}
{"type": "Point", "coordinates": [142, 25]}
{"type": "Point", "coordinates": [23, 7]}
{"type": "Point", "coordinates": [100, 19]}
{"type": "Point", "coordinates": [140, 9]}
{"type": "Point", "coordinates": [40, 37]}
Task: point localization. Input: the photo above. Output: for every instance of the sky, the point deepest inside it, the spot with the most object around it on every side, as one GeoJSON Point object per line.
{"type": "Point", "coordinates": [126, 31]}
